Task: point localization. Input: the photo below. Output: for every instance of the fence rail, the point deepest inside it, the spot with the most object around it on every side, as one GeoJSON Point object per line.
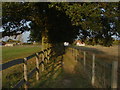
{"type": "Point", "coordinates": [11, 63]}
{"type": "Point", "coordinates": [18, 61]}
{"type": "Point", "coordinates": [46, 56]}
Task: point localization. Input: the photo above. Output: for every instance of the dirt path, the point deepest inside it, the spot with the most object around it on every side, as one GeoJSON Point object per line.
{"type": "Point", "coordinates": [70, 77]}
{"type": "Point", "coordinates": [73, 75]}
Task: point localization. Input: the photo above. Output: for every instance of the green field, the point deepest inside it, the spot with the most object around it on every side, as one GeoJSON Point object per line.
{"type": "Point", "coordinates": [13, 74]}
{"type": "Point", "coordinates": [10, 53]}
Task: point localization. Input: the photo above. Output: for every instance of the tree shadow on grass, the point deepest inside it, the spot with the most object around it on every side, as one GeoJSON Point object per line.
{"type": "Point", "coordinates": [69, 78]}
{"type": "Point", "coordinates": [52, 69]}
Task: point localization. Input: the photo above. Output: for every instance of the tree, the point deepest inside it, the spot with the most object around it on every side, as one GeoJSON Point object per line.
{"type": "Point", "coordinates": [59, 22]}
{"type": "Point", "coordinates": [46, 22]}
{"type": "Point", "coordinates": [97, 20]}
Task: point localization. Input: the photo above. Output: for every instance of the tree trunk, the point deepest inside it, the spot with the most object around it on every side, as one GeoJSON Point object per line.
{"type": "Point", "coordinates": [45, 39]}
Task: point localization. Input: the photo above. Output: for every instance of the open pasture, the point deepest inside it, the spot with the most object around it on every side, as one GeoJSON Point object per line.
{"type": "Point", "coordinates": [15, 52]}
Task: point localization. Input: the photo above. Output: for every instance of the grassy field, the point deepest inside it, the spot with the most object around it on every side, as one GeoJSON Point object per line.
{"type": "Point", "coordinates": [12, 75]}
{"type": "Point", "coordinates": [10, 53]}
{"type": "Point", "coordinates": [108, 53]}
{"type": "Point", "coordinates": [113, 50]}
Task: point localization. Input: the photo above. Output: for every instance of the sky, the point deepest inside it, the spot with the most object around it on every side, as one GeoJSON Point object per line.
{"type": "Point", "coordinates": [25, 37]}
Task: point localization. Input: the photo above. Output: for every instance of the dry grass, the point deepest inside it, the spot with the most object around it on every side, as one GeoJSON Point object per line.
{"type": "Point", "coordinates": [104, 56]}
{"type": "Point", "coordinates": [113, 50]}
{"type": "Point", "coordinates": [104, 53]}
{"type": "Point", "coordinates": [14, 74]}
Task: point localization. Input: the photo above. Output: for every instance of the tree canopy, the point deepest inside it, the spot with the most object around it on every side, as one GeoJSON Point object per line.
{"type": "Point", "coordinates": [63, 21]}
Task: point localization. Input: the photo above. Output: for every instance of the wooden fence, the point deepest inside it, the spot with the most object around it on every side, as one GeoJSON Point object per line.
{"type": "Point", "coordinates": [101, 74]}
{"type": "Point", "coordinates": [43, 62]}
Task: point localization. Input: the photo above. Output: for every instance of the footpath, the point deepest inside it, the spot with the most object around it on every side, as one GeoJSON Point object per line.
{"type": "Point", "coordinates": [70, 77]}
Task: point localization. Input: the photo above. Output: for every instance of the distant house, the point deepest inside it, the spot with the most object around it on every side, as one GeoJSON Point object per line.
{"type": "Point", "coordinates": [34, 43]}
{"type": "Point", "coordinates": [79, 43]}
{"type": "Point", "coordinates": [10, 44]}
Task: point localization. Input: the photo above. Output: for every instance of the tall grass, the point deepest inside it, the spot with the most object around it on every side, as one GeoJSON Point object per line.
{"type": "Point", "coordinates": [14, 74]}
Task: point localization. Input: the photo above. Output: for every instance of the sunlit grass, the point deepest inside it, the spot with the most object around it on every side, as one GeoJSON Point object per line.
{"type": "Point", "coordinates": [10, 53]}
{"type": "Point", "coordinates": [13, 74]}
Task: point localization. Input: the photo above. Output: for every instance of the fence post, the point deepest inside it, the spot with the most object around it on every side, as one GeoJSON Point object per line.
{"type": "Point", "coordinates": [93, 70]}
{"type": "Point", "coordinates": [48, 54]}
{"type": "Point", "coordinates": [49, 51]}
{"type": "Point", "coordinates": [25, 73]}
{"type": "Point", "coordinates": [72, 51]}
{"type": "Point", "coordinates": [37, 66]}
{"type": "Point", "coordinates": [114, 74]}
{"type": "Point", "coordinates": [62, 63]}
{"type": "Point", "coordinates": [84, 60]}
{"type": "Point", "coordinates": [42, 61]}
{"type": "Point", "coordinates": [76, 55]}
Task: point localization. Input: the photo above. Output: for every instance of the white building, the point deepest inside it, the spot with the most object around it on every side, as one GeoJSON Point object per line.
{"type": "Point", "coordinates": [66, 43]}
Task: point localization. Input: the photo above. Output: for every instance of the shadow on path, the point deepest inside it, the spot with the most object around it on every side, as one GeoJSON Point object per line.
{"type": "Point", "coordinates": [69, 77]}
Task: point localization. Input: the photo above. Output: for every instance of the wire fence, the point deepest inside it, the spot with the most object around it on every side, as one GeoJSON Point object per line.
{"type": "Point", "coordinates": [100, 73]}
